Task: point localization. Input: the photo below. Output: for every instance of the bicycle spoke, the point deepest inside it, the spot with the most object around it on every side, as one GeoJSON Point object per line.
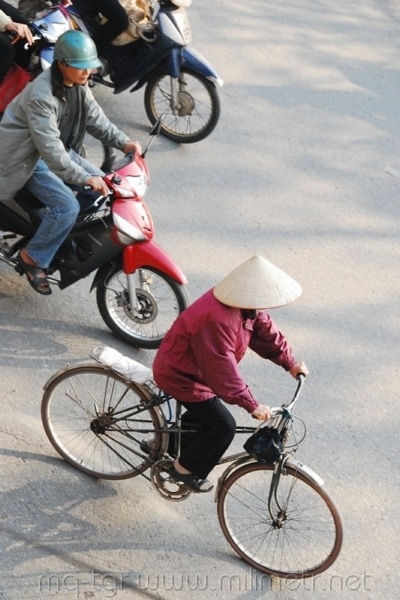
{"type": "Point", "coordinates": [298, 535]}
{"type": "Point", "coordinates": [80, 418]}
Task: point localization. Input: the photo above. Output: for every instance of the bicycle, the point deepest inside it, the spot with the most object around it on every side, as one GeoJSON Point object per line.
{"type": "Point", "coordinates": [278, 518]}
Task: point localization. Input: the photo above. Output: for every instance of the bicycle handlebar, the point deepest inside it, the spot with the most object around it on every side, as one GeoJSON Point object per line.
{"type": "Point", "coordinates": [288, 407]}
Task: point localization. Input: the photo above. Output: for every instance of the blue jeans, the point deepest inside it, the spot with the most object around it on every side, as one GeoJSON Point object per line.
{"type": "Point", "coordinates": [62, 209]}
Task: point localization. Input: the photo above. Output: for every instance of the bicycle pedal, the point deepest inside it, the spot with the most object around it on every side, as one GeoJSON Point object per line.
{"type": "Point", "coordinates": [165, 485]}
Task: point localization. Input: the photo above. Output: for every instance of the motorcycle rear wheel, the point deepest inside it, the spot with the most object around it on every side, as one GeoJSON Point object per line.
{"type": "Point", "coordinates": [160, 300]}
{"type": "Point", "coordinates": [197, 112]}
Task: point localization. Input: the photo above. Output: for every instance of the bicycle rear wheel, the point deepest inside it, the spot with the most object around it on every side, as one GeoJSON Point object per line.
{"type": "Point", "coordinates": [97, 421]}
{"type": "Point", "coordinates": [302, 538]}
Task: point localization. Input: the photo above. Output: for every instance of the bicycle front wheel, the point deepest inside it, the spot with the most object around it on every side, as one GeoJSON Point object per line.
{"type": "Point", "coordinates": [97, 421]}
{"type": "Point", "coordinates": [297, 534]}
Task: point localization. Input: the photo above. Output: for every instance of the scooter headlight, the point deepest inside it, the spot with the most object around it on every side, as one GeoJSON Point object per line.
{"type": "Point", "coordinates": [137, 183]}
{"type": "Point", "coordinates": [127, 232]}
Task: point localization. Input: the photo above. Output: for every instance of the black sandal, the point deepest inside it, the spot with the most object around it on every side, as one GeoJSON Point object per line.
{"type": "Point", "coordinates": [36, 276]}
{"type": "Point", "coordinates": [200, 486]}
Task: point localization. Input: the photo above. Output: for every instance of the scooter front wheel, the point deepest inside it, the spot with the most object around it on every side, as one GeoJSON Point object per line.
{"type": "Point", "coordinates": [159, 301]}
{"type": "Point", "coordinates": [191, 111]}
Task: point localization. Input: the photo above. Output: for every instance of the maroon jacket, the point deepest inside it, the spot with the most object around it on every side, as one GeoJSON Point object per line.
{"type": "Point", "coordinates": [198, 357]}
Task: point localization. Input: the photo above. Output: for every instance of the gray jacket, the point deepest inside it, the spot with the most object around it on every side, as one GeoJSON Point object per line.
{"type": "Point", "coordinates": [30, 130]}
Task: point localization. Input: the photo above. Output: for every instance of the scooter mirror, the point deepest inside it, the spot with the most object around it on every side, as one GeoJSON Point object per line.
{"type": "Point", "coordinates": [154, 131]}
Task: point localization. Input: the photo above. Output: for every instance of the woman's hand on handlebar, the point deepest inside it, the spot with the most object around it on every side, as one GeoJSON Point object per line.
{"type": "Point", "coordinates": [262, 412]}
{"type": "Point", "coordinates": [21, 30]}
{"type": "Point", "coordinates": [300, 368]}
{"type": "Point", "coordinates": [98, 184]}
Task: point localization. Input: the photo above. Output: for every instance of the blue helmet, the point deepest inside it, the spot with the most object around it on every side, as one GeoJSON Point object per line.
{"type": "Point", "coordinates": [76, 49]}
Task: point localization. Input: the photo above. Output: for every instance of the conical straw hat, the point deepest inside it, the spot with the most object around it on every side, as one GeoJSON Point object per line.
{"type": "Point", "coordinates": [257, 283]}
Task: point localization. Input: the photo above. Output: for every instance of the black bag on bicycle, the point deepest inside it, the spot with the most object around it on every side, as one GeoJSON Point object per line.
{"type": "Point", "coordinates": [265, 445]}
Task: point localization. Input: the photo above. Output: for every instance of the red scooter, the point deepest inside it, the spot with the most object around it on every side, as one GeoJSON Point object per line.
{"type": "Point", "coordinates": [140, 290]}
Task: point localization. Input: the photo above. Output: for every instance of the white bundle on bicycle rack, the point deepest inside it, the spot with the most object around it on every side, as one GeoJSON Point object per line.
{"type": "Point", "coordinates": [129, 368]}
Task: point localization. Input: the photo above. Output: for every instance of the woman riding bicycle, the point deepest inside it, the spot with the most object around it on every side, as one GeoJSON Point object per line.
{"type": "Point", "coordinates": [197, 361]}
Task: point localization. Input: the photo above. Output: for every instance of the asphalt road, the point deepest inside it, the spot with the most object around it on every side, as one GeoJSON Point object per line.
{"type": "Point", "coordinates": [297, 170]}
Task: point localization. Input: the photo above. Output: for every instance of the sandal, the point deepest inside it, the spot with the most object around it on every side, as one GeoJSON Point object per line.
{"type": "Point", "coordinates": [200, 486]}
{"type": "Point", "coordinates": [36, 276]}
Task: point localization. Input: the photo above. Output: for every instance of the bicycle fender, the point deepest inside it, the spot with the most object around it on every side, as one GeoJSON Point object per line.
{"type": "Point", "coordinates": [196, 61]}
{"type": "Point", "coordinates": [304, 470]}
{"type": "Point", "coordinates": [63, 370]}
{"type": "Point", "coordinates": [149, 254]}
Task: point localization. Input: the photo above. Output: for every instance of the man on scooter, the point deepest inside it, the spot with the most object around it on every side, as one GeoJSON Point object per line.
{"type": "Point", "coordinates": [41, 134]}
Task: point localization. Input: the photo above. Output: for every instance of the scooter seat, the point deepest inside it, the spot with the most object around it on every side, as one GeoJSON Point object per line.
{"type": "Point", "coordinates": [27, 200]}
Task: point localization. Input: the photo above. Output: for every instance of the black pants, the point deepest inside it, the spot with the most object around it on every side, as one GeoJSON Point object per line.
{"type": "Point", "coordinates": [117, 20]}
{"type": "Point", "coordinates": [7, 55]}
{"type": "Point", "coordinates": [201, 451]}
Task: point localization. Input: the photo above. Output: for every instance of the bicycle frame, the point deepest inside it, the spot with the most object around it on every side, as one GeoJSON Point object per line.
{"type": "Point", "coordinates": [174, 426]}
